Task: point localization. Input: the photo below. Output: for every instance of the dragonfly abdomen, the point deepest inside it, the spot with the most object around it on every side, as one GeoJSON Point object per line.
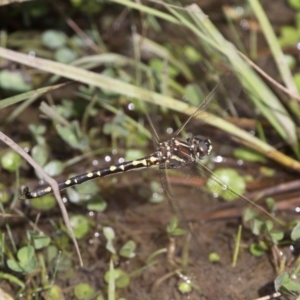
{"type": "Point", "coordinates": [137, 164]}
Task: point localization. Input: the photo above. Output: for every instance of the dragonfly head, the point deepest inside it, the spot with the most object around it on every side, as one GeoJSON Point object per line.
{"type": "Point", "coordinates": [201, 146]}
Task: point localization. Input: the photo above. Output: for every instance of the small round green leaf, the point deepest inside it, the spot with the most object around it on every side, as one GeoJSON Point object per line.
{"type": "Point", "coordinates": [184, 287]}
{"type": "Point", "coordinates": [25, 254]}
{"type": "Point", "coordinates": [52, 253]}
{"type": "Point", "coordinates": [80, 225]}
{"type": "Point", "coordinates": [128, 249]}
{"type": "Point", "coordinates": [14, 81]}
{"type": "Point", "coordinates": [277, 235]}
{"type": "Point", "coordinates": [37, 129]}
{"type": "Point", "coordinates": [192, 54]}
{"type": "Point", "coordinates": [109, 233]}
{"type": "Point", "coordinates": [26, 260]}
{"type": "Point", "coordinates": [84, 291]}
{"type": "Point", "coordinates": [110, 247]}
{"type": "Point", "coordinates": [97, 204]}
{"type": "Point", "coordinates": [122, 279]}
{"type": "Point", "coordinates": [54, 168]}
{"type": "Point", "coordinates": [73, 195]}
{"type": "Point", "coordinates": [53, 39]}
{"type": "Point", "coordinates": [157, 197]}
{"type": "Point", "coordinates": [173, 224]}
{"type": "Point", "coordinates": [54, 293]}
{"type": "Point", "coordinates": [89, 189]}
{"type": "Point", "coordinates": [222, 179]}
{"type": "Point", "coordinates": [70, 135]}
{"type": "Point", "coordinates": [40, 154]}
{"type": "Point", "coordinates": [45, 203]}
{"type": "Point", "coordinates": [14, 265]}
{"type": "Point", "coordinates": [40, 240]}
{"type": "Point", "coordinates": [65, 55]}
{"type": "Point", "coordinates": [214, 257]}
{"type": "Point", "coordinates": [257, 226]}
{"type": "Point", "coordinates": [11, 161]}
{"type": "Point", "coordinates": [281, 280]}
{"type": "Point", "coordinates": [284, 282]}
{"type": "Point", "coordinates": [258, 249]}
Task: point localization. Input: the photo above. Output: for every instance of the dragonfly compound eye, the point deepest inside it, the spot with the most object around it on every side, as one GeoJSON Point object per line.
{"type": "Point", "coordinates": [203, 146]}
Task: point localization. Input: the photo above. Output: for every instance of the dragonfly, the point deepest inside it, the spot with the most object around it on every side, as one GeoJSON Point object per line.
{"type": "Point", "coordinates": [174, 153]}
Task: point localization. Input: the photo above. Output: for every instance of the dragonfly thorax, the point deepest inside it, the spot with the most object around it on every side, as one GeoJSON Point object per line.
{"type": "Point", "coordinates": [176, 153]}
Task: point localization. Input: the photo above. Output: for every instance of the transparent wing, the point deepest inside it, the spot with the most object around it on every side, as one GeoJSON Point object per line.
{"type": "Point", "coordinates": [212, 232]}
{"type": "Point", "coordinates": [216, 186]}
{"type": "Point", "coordinates": [217, 102]}
{"type": "Point", "coordinates": [173, 201]}
{"type": "Point", "coordinates": [218, 195]}
{"type": "Point", "coordinates": [153, 130]}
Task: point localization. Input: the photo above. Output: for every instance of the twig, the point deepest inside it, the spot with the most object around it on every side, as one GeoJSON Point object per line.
{"type": "Point", "coordinates": [51, 182]}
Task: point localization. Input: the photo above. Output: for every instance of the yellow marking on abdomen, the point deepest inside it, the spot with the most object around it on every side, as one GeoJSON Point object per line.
{"type": "Point", "coordinates": [153, 159]}
{"type": "Point", "coordinates": [122, 167]}
{"type": "Point", "coordinates": [48, 189]}
{"type": "Point", "coordinates": [136, 162]}
{"type": "Point", "coordinates": [89, 175]}
{"type": "Point", "coordinates": [98, 173]}
{"type": "Point", "coordinates": [68, 182]}
{"type": "Point", "coordinates": [140, 162]}
{"type": "Point", "coordinates": [112, 168]}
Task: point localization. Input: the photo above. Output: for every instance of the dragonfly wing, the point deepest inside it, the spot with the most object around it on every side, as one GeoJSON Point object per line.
{"type": "Point", "coordinates": [218, 101]}
{"type": "Point", "coordinates": [217, 187]}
